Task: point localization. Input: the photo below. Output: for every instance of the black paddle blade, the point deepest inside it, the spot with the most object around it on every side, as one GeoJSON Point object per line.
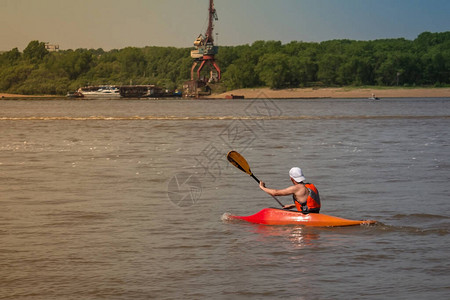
{"type": "Point", "coordinates": [239, 162]}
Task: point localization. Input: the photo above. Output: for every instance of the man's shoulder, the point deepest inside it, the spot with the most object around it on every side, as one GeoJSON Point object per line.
{"type": "Point", "coordinates": [300, 187]}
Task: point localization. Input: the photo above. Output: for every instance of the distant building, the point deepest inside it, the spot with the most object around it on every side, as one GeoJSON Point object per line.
{"type": "Point", "coordinates": [51, 47]}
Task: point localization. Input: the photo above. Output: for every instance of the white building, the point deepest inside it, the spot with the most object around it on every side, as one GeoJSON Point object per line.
{"type": "Point", "coordinates": [51, 47]}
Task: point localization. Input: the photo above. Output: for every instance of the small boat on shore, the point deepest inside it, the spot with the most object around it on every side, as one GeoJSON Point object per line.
{"type": "Point", "coordinates": [231, 96]}
{"type": "Point", "coordinates": [74, 95]}
{"type": "Point", "coordinates": [374, 97]}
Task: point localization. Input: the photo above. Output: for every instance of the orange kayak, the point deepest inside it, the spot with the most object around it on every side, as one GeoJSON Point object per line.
{"type": "Point", "coordinates": [276, 216]}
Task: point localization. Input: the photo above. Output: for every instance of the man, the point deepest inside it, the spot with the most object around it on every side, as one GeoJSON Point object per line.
{"type": "Point", "coordinates": [305, 195]}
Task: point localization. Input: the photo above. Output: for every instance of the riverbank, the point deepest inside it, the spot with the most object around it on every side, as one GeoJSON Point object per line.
{"type": "Point", "coordinates": [346, 92]}
{"type": "Point", "coordinates": [305, 93]}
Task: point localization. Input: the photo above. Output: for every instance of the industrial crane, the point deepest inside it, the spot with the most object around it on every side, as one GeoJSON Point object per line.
{"type": "Point", "coordinates": [205, 50]}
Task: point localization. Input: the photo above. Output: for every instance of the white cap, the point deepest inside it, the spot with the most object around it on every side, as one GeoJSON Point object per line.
{"type": "Point", "coordinates": [297, 174]}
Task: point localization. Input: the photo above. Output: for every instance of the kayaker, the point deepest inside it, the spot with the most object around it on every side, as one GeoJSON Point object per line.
{"type": "Point", "coordinates": [306, 196]}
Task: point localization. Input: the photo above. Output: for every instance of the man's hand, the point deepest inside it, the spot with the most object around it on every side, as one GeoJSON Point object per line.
{"type": "Point", "coordinates": [289, 206]}
{"type": "Point", "coordinates": [262, 185]}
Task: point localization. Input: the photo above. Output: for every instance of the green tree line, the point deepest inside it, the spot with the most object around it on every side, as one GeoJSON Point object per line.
{"type": "Point", "coordinates": [424, 61]}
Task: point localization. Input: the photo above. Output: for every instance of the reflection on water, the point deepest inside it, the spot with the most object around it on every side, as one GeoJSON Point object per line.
{"type": "Point", "coordinates": [300, 237]}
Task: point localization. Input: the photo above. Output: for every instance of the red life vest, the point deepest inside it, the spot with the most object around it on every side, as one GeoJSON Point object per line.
{"type": "Point", "coordinates": [312, 202]}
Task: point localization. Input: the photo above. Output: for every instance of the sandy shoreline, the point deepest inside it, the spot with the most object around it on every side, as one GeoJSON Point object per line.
{"type": "Point", "coordinates": [311, 93]}
{"type": "Point", "coordinates": [17, 96]}
{"type": "Point", "coordinates": [307, 93]}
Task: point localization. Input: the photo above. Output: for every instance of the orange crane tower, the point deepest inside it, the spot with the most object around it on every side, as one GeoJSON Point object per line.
{"type": "Point", "coordinates": [205, 50]}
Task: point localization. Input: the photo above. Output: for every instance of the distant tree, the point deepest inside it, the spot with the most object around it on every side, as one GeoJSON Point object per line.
{"type": "Point", "coordinates": [76, 63]}
{"type": "Point", "coordinates": [273, 70]}
{"type": "Point", "coordinates": [304, 70]}
{"type": "Point", "coordinates": [42, 82]}
{"type": "Point", "coordinates": [10, 57]}
{"type": "Point", "coordinates": [35, 51]}
{"type": "Point", "coordinates": [355, 71]}
{"type": "Point", "coordinates": [14, 76]}
{"type": "Point", "coordinates": [233, 77]}
{"type": "Point", "coordinates": [328, 66]}
{"type": "Point", "coordinates": [386, 73]}
{"type": "Point", "coordinates": [133, 61]}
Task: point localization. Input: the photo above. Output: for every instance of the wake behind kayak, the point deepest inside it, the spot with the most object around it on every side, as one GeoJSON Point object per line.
{"type": "Point", "coordinates": [276, 216]}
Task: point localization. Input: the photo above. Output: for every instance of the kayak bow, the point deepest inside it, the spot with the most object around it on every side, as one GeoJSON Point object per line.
{"type": "Point", "coordinates": [275, 216]}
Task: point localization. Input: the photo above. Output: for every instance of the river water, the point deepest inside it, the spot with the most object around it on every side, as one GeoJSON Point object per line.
{"type": "Point", "coordinates": [125, 199]}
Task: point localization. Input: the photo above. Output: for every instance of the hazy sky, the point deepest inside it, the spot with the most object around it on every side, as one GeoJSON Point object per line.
{"type": "Point", "coordinates": [111, 24]}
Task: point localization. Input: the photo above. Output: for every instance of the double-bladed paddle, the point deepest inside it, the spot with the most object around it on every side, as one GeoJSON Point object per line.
{"type": "Point", "coordinates": [239, 162]}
